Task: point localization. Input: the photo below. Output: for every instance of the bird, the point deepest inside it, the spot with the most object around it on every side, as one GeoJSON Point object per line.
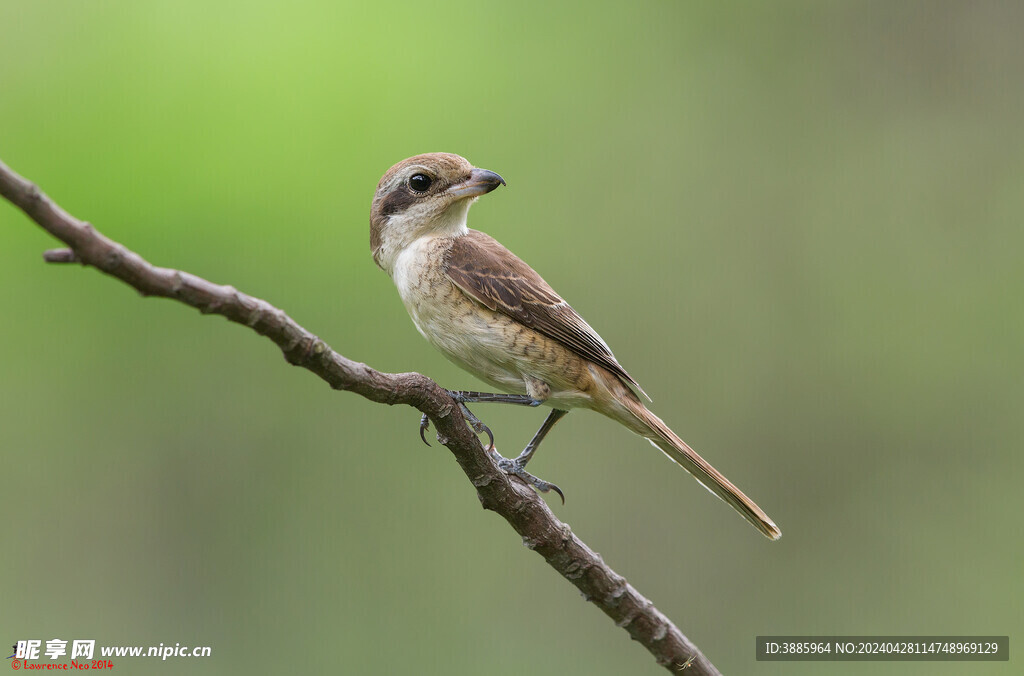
{"type": "Point", "coordinates": [491, 314]}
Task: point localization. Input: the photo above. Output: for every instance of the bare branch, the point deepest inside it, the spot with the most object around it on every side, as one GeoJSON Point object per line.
{"type": "Point", "coordinates": [541, 531]}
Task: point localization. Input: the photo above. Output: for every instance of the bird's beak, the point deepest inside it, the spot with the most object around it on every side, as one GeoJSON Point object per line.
{"type": "Point", "coordinates": [480, 182]}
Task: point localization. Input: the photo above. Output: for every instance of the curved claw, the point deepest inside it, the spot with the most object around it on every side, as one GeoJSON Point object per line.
{"type": "Point", "coordinates": [490, 437]}
{"type": "Point", "coordinates": [477, 425]}
{"type": "Point", "coordinates": [514, 467]}
{"type": "Point", "coordinates": [424, 426]}
{"type": "Point", "coordinates": [543, 486]}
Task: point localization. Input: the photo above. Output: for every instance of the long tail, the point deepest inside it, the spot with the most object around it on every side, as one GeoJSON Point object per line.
{"type": "Point", "coordinates": [650, 426]}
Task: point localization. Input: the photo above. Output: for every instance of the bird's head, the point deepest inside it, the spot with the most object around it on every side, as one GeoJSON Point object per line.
{"type": "Point", "coordinates": [422, 196]}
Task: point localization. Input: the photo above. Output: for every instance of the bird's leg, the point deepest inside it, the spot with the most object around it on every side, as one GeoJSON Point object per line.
{"type": "Point", "coordinates": [463, 397]}
{"type": "Point", "coordinates": [493, 398]}
{"type": "Point", "coordinates": [517, 465]}
{"type": "Point", "coordinates": [531, 448]}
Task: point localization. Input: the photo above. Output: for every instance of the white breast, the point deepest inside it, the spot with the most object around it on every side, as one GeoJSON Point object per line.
{"type": "Point", "coordinates": [473, 340]}
{"type": "Point", "coordinates": [411, 265]}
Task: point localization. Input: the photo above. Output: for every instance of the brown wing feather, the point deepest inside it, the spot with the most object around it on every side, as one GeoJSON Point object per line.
{"type": "Point", "coordinates": [495, 277]}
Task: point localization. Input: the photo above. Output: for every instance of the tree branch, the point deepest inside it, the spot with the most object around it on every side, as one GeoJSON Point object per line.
{"type": "Point", "coordinates": [517, 503]}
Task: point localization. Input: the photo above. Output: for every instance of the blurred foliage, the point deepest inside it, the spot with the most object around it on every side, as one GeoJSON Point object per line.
{"type": "Point", "coordinates": [798, 225]}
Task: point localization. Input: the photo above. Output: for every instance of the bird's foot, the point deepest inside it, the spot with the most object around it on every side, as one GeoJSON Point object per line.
{"type": "Point", "coordinates": [424, 426]}
{"type": "Point", "coordinates": [517, 468]}
{"type": "Point", "coordinates": [477, 426]}
{"type": "Point", "coordinates": [474, 423]}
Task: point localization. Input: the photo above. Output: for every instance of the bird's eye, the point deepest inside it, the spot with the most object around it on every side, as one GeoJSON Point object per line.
{"type": "Point", "coordinates": [420, 182]}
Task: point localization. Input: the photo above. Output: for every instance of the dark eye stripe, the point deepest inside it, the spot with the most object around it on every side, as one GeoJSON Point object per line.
{"type": "Point", "coordinates": [396, 201]}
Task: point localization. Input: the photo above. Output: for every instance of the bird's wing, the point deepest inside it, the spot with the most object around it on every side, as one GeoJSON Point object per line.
{"type": "Point", "coordinates": [496, 278]}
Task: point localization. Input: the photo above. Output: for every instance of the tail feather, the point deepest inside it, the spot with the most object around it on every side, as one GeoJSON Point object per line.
{"type": "Point", "coordinates": [658, 433]}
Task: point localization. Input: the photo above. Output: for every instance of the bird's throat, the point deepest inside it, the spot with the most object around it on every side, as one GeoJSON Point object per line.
{"type": "Point", "coordinates": [405, 230]}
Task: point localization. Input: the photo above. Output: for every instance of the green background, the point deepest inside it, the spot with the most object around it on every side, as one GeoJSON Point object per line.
{"type": "Point", "coordinates": [799, 226]}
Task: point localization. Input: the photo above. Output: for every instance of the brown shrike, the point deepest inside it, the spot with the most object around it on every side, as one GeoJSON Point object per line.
{"type": "Point", "coordinates": [491, 314]}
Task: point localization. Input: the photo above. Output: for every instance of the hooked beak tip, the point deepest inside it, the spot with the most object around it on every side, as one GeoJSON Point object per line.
{"type": "Point", "coordinates": [480, 182]}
